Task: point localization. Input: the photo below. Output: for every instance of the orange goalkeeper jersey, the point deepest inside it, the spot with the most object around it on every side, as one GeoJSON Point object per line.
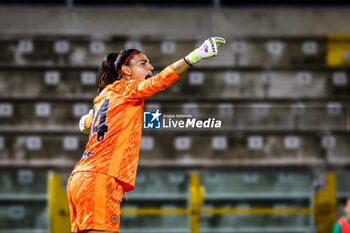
{"type": "Point", "coordinates": [115, 136]}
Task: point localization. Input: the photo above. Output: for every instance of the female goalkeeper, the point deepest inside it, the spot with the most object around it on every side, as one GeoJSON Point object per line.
{"type": "Point", "coordinates": [108, 166]}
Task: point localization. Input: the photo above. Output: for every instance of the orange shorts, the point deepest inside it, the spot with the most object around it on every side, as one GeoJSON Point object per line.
{"type": "Point", "coordinates": [94, 202]}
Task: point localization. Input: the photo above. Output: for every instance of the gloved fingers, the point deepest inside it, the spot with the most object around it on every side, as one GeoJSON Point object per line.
{"type": "Point", "coordinates": [219, 40]}
{"type": "Point", "coordinates": [214, 46]}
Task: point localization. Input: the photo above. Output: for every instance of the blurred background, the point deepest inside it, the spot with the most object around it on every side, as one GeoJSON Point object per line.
{"type": "Point", "coordinates": [280, 85]}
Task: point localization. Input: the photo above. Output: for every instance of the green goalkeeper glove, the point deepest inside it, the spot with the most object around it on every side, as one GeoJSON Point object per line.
{"type": "Point", "coordinates": [209, 48]}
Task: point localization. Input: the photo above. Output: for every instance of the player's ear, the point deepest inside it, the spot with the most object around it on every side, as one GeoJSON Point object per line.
{"type": "Point", "coordinates": [126, 70]}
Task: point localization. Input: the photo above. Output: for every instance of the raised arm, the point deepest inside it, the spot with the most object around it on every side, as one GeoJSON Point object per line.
{"type": "Point", "coordinates": [163, 80]}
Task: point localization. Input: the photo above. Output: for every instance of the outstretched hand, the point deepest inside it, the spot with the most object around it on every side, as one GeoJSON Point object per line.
{"type": "Point", "coordinates": [209, 48]}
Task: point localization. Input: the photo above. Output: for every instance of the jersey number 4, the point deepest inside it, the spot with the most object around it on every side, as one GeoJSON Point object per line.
{"type": "Point", "coordinates": [100, 128]}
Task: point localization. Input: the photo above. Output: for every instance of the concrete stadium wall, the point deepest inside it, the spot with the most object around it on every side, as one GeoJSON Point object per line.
{"type": "Point", "coordinates": [172, 23]}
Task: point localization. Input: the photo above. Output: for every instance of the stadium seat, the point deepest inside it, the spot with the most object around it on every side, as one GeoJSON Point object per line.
{"type": "Point", "coordinates": [23, 181]}
{"type": "Point", "coordinates": [161, 184]}
{"type": "Point", "coordinates": [21, 214]}
{"type": "Point", "coordinates": [42, 115]}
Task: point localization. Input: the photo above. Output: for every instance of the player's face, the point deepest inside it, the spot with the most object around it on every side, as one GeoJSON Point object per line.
{"type": "Point", "coordinates": [140, 67]}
